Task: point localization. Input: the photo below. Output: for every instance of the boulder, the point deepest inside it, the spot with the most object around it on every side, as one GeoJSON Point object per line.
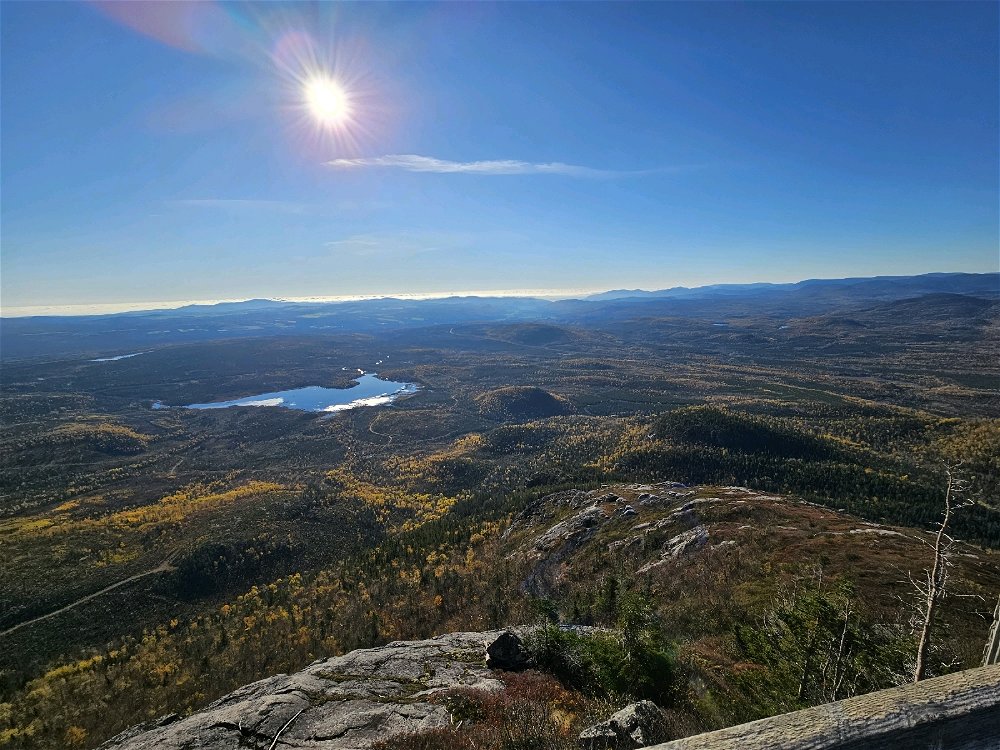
{"type": "Point", "coordinates": [637, 725]}
{"type": "Point", "coordinates": [508, 653]}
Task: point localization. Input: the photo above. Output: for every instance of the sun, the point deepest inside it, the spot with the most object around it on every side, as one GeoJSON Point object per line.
{"type": "Point", "coordinates": [328, 103]}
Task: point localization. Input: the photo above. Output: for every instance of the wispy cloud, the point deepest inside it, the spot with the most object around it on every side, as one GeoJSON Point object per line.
{"type": "Point", "coordinates": [280, 207]}
{"type": "Point", "coordinates": [408, 243]}
{"type": "Point", "coordinates": [402, 243]}
{"type": "Point", "coordinates": [416, 163]}
{"type": "Point", "coordinates": [242, 204]}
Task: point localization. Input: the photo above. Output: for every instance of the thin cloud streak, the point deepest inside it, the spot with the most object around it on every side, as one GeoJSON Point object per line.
{"type": "Point", "coordinates": [241, 204]}
{"type": "Point", "coordinates": [416, 163]}
{"type": "Point", "coordinates": [275, 206]}
{"type": "Point", "coordinates": [401, 243]}
{"type": "Point", "coordinates": [412, 242]}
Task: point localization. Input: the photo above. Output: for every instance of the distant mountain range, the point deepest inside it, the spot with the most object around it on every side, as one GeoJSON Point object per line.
{"type": "Point", "coordinates": [874, 287]}
{"type": "Point", "coordinates": [129, 331]}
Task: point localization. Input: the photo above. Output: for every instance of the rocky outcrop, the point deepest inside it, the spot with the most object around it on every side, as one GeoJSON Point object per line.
{"type": "Point", "coordinates": [573, 518]}
{"type": "Point", "coordinates": [682, 544]}
{"type": "Point", "coordinates": [637, 725]}
{"type": "Point", "coordinates": [562, 524]}
{"type": "Point", "coordinates": [588, 513]}
{"type": "Point", "coordinates": [342, 703]}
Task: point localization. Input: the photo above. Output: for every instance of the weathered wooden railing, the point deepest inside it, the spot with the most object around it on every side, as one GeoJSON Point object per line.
{"type": "Point", "coordinates": [959, 711]}
{"type": "Point", "coordinates": [992, 653]}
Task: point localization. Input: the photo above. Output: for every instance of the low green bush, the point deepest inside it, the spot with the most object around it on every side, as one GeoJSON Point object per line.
{"type": "Point", "coordinates": [632, 660]}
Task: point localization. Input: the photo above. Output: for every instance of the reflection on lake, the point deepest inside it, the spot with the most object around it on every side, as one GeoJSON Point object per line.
{"type": "Point", "coordinates": [369, 391]}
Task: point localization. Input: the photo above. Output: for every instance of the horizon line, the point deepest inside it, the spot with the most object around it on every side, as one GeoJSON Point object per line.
{"type": "Point", "coordinates": [105, 308]}
{"type": "Point", "coordinates": [83, 309]}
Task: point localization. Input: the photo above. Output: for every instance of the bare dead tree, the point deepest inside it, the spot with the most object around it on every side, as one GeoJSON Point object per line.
{"type": "Point", "coordinates": [935, 586]}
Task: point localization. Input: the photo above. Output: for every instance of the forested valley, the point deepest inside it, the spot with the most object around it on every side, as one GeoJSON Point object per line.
{"type": "Point", "coordinates": [155, 559]}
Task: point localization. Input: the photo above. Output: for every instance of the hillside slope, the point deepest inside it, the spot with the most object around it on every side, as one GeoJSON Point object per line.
{"type": "Point", "coordinates": [736, 580]}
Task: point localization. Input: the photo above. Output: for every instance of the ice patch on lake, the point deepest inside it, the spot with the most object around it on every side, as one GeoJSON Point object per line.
{"type": "Point", "coordinates": [264, 402]}
{"type": "Point", "coordinates": [372, 401]}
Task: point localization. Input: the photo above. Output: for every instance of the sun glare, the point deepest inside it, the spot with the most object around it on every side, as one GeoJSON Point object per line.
{"type": "Point", "coordinates": [328, 103]}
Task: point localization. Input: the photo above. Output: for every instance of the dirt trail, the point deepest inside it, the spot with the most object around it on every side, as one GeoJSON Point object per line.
{"type": "Point", "coordinates": [163, 567]}
{"type": "Point", "coordinates": [373, 431]}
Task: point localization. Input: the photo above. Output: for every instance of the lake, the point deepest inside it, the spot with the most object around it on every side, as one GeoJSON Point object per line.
{"type": "Point", "coordinates": [370, 390]}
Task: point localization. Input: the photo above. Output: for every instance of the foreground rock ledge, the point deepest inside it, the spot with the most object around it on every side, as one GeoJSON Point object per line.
{"type": "Point", "coordinates": [353, 701]}
{"type": "Point", "coordinates": [956, 712]}
{"type": "Point", "coordinates": [343, 703]}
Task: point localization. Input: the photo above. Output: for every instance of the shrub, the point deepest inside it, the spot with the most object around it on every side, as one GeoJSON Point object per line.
{"type": "Point", "coordinates": [632, 661]}
{"type": "Point", "coordinates": [819, 645]}
{"type": "Point", "coordinates": [532, 712]}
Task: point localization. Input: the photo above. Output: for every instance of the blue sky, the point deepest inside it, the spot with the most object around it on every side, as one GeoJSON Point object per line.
{"type": "Point", "coordinates": [164, 152]}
